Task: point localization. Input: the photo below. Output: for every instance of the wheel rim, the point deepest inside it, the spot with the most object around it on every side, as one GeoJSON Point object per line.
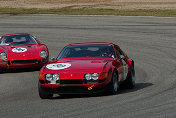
{"type": "Point", "coordinates": [115, 82]}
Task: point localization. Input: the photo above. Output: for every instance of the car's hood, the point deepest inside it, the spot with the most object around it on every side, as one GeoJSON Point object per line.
{"type": "Point", "coordinates": [21, 51]}
{"type": "Point", "coordinates": [77, 66]}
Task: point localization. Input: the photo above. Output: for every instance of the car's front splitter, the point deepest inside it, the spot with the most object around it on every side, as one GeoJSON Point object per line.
{"type": "Point", "coordinates": [76, 90]}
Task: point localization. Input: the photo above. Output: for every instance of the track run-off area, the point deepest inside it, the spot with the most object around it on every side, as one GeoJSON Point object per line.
{"type": "Point", "coordinates": [150, 41]}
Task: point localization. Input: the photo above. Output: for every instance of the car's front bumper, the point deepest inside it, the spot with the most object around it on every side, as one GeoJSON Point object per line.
{"type": "Point", "coordinates": [27, 63]}
{"type": "Point", "coordinates": [75, 89]}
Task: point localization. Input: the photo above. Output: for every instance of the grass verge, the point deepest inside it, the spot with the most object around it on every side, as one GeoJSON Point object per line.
{"type": "Point", "coordinates": [87, 11]}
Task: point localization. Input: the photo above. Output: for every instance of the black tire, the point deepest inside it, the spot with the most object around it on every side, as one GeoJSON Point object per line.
{"type": "Point", "coordinates": [1, 70]}
{"type": "Point", "coordinates": [43, 93]}
{"type": "Point", "coordinates": [130, 81]}
{"type": "Point", "coordinates": [114, 84]}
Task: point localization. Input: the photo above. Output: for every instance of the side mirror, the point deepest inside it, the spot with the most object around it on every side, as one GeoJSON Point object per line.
{"type": "Point", "coordinates": [53, 59]}
{"type": "Point", "coordinates": [121, 56]}
{"type": "Point", "coordinates": [38, 41]}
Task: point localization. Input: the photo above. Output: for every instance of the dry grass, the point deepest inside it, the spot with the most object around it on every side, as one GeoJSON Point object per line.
{"type": "Point", "coordinates": [105, 4]}
{"type": "Point", "coordinates": [92, 7]}
{"type": "Point", "coordinates": [81, 11]}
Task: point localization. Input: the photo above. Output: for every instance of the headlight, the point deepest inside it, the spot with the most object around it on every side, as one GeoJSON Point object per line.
{"type": "Point", "coordinates": [52, 78]}
{"type": "Point", "coordinates": [55, 77]}
{"type": "Point", "coordinates": [49, 77]}
{"type": "Point", "coordinates": [43, 54]}
{"type": "Point", "coordinates": [95, 76]}
{"type": "Point", "coordinates": [3, 55]}
{"type": "Point", "coordinates": [90, 78]}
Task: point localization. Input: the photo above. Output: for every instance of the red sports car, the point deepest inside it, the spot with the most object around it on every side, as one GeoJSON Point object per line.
{"type": "Point", "coordinates": [21, 50]}
{"type": "Point", "coordinates": [86, 68]}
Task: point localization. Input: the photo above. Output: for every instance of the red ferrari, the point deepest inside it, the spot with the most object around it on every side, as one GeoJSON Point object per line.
{"type": "Point", "coordinates": [86, 68]}
{"type": "Point", "coordinates": [21, 50]}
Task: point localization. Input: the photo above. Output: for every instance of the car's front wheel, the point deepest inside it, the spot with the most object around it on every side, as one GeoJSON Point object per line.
{"type": "Point", "coordinates": [43, 93]}
{"type": "Point", "coordinates": [114, 85]}
{"type": "Point", "coordinates": [1, 70]}
{"type": "Point", "coordinates": [130, 81]}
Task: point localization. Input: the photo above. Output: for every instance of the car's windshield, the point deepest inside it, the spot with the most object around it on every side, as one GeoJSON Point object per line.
{"type": "Point", "coordinates": [91, 50]}
{"type": "Point", "coordinates": [18, 40]}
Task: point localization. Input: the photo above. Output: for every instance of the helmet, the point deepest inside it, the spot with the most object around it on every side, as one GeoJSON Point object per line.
{"type": "Point", "coordinates": [9, 40]}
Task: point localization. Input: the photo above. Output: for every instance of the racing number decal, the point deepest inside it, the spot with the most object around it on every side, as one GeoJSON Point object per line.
{"type": "Point", "coordinates": [125, 67]}
{"type": "Point", "coordinates": [19, 49]}
{"type": "Point", "coordinates": [58, 66]}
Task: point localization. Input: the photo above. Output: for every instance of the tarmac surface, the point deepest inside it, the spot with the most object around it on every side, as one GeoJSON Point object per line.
{"type": "Point", "coordinates": [150, 41]}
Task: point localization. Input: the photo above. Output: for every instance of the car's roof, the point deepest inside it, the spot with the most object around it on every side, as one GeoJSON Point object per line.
{"type": "Point", "coordinates": [92, 43]}
{"type": "Point", "coordinates": [15, 34]}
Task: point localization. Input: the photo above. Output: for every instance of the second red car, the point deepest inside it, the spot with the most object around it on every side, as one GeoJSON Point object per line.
{"type": "Point", "coordinates": [21, 50]}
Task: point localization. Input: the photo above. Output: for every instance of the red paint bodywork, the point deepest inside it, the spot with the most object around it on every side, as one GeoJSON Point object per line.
{"type": "Point", "coordinates": [81, 65]}
{"type": "Point", "coordinates": [31, 53]}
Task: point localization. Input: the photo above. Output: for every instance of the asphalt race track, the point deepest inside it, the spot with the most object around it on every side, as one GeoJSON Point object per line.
{"type": "Point", "coordinates": [150, 41]}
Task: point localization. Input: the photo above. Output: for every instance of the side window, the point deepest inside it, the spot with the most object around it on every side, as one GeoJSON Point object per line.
{"type": "Point", "coordinates": [117, 51]}
{"type": "Point", "coordinates": [121, 52]}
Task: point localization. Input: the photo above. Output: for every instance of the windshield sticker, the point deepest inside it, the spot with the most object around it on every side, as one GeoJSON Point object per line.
{"type": "Point", "coordinates": [19, 50]}
{"type": "Point", "coordinates": [58, 66]}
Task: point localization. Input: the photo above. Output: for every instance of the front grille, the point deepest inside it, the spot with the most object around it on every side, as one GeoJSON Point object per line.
{"type": "Point", "coordinates": [75, 90]}
{"type": "Point", "coordinates": [71, 81]}
{"type": "Point", "coordinates": [30, 61]}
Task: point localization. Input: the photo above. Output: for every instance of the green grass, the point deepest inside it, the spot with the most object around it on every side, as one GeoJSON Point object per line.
{"type": "Point", "coordinates": [87, 11]}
